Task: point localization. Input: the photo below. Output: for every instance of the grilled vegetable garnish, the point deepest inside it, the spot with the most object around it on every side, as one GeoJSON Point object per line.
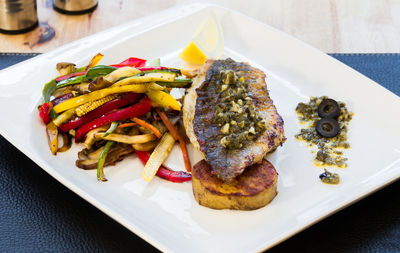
{"type": "Point", "coordinates": [88, 158]}
{"type": "Point", "coordinates": [64, 68]}
{"type": "Point", "coordinates": [64, 117]}
{"type": "Point", "coordinates": [158, 156]}
{"type": "Point", "coordinates": [110, 108]}
{"type": "Point", "coordinates": [77, 101]}
{"type": "Point", "coordinates": [102, 159]}
{"type": "Point", "coordinates": [90, 106]}
{"type": "Point", "coordinates": [165, 172]}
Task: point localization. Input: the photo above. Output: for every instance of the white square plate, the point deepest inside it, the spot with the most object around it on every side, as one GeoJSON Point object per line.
{"type": "Point", "coordinates": [166, 214]}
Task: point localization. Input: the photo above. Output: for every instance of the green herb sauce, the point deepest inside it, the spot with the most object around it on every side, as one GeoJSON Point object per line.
{"type": "Point", "coordinates": [236, 113]}
{"type": "Point", "coordinates": [329, 177]}
{"type": "Point", "coordinates": [329, 150]}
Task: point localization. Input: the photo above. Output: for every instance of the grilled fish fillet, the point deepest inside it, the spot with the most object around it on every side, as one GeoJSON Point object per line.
{"type": "Point", "coordinates": [198, 113]}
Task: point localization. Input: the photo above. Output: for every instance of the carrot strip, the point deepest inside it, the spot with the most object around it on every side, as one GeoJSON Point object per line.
{"type": "Point", "coordinates": [127, 125]}
{"type": "Point", "coordinates": [177, 136]}
{"type": "Point", "coordinates": [147, 126]}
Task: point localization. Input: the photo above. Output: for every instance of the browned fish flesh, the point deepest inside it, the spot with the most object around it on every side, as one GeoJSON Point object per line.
{"type": "Point", "coordinates": [198, 114]}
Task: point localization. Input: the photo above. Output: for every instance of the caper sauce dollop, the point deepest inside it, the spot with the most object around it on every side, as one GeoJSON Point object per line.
{"type": "Point", "coordinates": [329, 151]}
{"type": "Point", "coordinates": [329, 177]}
{"type": "Point", "coordinates": [236, 113]}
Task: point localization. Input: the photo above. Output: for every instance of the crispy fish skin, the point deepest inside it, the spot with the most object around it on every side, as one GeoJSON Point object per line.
{"type": "Point", "coordinates": [198, 115]}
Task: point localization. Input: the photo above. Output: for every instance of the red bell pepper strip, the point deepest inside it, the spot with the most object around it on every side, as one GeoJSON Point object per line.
{"type": "Point", "coordinates": [61, 98]}
{"type": "Point", "coordinates": [61, 78]}
{"type": "Point", "coordinates": [130, 62]}
{"type": "Point", "coordinates": [44, 112]}
{"type": "Point", "coordinates": [165, 172]}
{"type": "Point", "coordinates": [151, 68]}
{"type": "Point", "coordinates": [126, 99]}
{"type": "Point", "coordinates": [139, 109]}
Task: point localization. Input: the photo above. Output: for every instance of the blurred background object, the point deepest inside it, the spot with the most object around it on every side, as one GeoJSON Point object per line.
{"type": "Point", "coordinates": [332, 26]}
{"type": "Point", "coordinates": [17, 16]}
{"type": "Point", "coordinates": [74, 7]}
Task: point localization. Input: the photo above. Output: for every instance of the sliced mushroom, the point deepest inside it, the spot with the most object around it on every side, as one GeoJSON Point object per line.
{"type": "Point", "coordinates": [91, 138]}
{"type": "Point", "coordinates": [99, 83]}
{"type": "Point", "coordinates": [64, 68]}
{"type": "Point", "coordinates": [88, 158]}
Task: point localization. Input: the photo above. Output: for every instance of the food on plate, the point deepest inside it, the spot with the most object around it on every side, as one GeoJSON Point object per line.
{"type": "Point", "coordinates": [325, 126]}
{"type": "Point", "coordinates": [229, 93]}
{"type": "Point", "coordinates": [230, 118]}
{"type": "Point", "coordinates": [115, 111]}
{"type": "Point", "coordinates": [329, 177]}
{"type": "Point", "coordinates": [207, 42]}
{"type": "Point", "coordinates": [253, 189]}
{"type": "Point", "coordinates": [328, 108]}
{"type": "Point", "coordinates": [193, 54]}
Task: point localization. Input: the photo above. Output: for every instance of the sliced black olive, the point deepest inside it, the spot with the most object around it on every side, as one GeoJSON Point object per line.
{"type": "Point", "coordinates": [328, 108]}
{"type": "Point", "coordinates": [327, 127]}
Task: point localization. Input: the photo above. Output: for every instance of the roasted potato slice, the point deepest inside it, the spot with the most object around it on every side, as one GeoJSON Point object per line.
{"type": "Point", "coordinates": [253, 189]}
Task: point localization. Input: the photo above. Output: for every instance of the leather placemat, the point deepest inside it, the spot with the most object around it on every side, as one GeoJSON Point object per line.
{"type": "Point", "coordinates": [38, 214]}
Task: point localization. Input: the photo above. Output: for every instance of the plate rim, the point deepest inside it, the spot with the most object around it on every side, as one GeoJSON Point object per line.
{"type": "Point", "coordinates": [119, 218]}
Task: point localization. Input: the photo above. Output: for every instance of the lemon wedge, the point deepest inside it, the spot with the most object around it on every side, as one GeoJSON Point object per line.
{"type": "Point", "coordinates": [193, 54]}
{"type": "Point", "coordinates": [207, 42]}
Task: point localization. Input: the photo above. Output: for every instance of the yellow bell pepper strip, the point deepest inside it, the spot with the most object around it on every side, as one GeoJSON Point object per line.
{"type": "Point", "coordinates": [102, 159]}
{"type": "Point", "coordinates": [52, 137]}
{"type": "Point", "coordinates": [163, 99]}
{"type": "Point", "coordinates": [94, 61]}
{"type": "Point", "coordinates": [76, 101]}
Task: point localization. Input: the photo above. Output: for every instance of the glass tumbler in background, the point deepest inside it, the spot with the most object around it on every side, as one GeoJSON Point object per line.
{"type": "Point", "coordinates": [18, 16]}
{"type": "Point", "coordinates": [74, 7]}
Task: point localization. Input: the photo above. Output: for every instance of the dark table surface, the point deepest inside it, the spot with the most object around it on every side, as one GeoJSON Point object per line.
{"type": "Point", "coordinates": [38, 214]}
